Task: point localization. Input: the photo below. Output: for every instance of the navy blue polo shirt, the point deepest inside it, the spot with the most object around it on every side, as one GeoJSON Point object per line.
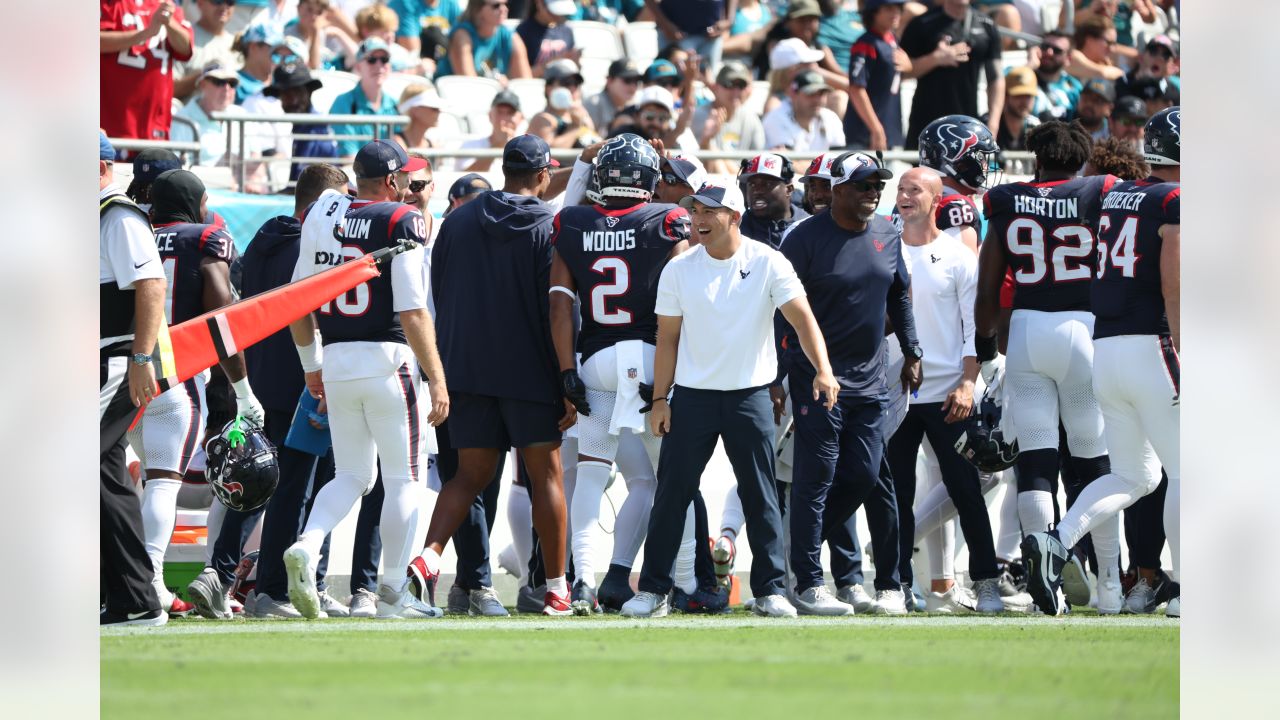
{"type": "Point", "coordinates": [693, 16]}
{"type": "Point", "coordinates": [871, 67]}
{"type": "Point", "coordinates": [274, 369]}
{"type": "Point", "coordinates": [852, 279]}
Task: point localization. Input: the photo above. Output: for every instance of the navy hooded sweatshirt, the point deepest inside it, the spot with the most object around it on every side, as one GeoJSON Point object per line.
{"type": "Point", "coordinates": [275, 373]}
{"type": "Point", "coordinates": [490, 273]}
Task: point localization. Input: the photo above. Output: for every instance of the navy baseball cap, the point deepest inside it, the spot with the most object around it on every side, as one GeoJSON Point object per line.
{"type": "Point", "coordinates": [527, 152]}
{"type": "Point", "coordinates": [718, 196]}
{"type": "Point", "coordinates": [685, 170]}
{"type": "Point", "coordinates": [468, 184]}
{"type": "Point", "coordinates": [853, 167]}
{"type": "Point", "coordinates": [380, 158]}
{"type": "Point", "coordinates": [150, 163]}
{"type": "Point", "coordinates": [105, 151]}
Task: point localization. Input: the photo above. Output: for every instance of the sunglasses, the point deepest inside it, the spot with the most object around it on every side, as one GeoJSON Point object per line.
{"type": "Point", "coordinates": [868, 185]}
{"type": "Point", "coordinates": [222, 2]}
{"type": "Point", "coordinates": [1052, 50]}
{"type": "Point", "coordinates": [667, 82]}
{"type": "Point", "coordinates": [655, 117]}
{"type": "Point", "coordinates": [629, 80]}
{"type": "Point", "coordinates": [1161, 51]}
{"type": "Point", "coordinates": [739, 85]}
{"type": "Point", "coordinates": [378, 59]}
{"type": "Point", "coordinates": [1132, 121]}
{"type": "Point", "coordinates": [417, 186]}
{"type": "Point", "coordinates": [221, 82]}
{"type": "Point", "coordinates": [569, 82]}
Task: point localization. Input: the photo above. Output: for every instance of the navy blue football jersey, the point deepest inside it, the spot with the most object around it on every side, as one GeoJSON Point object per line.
{"type": "Point", "coordinates": [956, 210]}
{"type": "Point", "coordinates": [1048, 230]}
{"type": "Point", "coordinates": [616, 256]}
{"type": "Point", "coordinates": [183, 247]}
{"type": "Point", "coordinates": [1127, 297]}
{"type": "Point", "coordinates": [367, 312]}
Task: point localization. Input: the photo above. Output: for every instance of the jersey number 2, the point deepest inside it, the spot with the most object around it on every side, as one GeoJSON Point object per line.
{"type": "Point", "coordinates": [621, 281]}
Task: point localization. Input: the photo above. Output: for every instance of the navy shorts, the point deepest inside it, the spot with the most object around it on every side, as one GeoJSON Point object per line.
{"type": "Point", "coordinates": [484, 421]}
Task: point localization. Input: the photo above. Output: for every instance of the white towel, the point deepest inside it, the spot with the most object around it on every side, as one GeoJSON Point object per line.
{"type": "Point", "coordinates": [631, 372]}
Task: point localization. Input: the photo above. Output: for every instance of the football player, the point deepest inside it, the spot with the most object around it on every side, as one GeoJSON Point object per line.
{"type": "Point", "coordinates": [963, 150]}
{"type": "Point", "coordinates": [197, 262]}
{"type": "Point", "coordinates": [1045, 232]}
{"type": "Point", "coordinates": [377, 337]}
{"type": "Point", "coordinates": [1134, 296]}
{"type": "Point", "coordinates": [611, 257]}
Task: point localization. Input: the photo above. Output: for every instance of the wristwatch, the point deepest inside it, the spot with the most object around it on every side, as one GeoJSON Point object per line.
{"type": "Point", "coordinates": [913, 351]}
{"type": "Point", "coordinates": [142, 359]}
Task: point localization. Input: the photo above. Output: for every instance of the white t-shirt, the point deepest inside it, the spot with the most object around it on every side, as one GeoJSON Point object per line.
{"type": "Point", "coordinates": [944, 282]}
{"type": "Point", "coordinates": [409, 291]}
{"type": "Point", "coordinates": [727, 306]}
{"type": "Point", "coordinates": [825, 130]}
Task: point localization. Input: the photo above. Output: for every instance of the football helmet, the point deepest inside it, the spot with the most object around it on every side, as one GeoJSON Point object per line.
{"type": "Point", "coordinates": [242, 468]}
{"type": "Point", "coordinates": [961, 148]}
{"type": "Point", "coordinates": [982, 443]}
{"type": "Point", "coordinates": [1162, 142]}
{"type": "Point", "coordinates": [627, 167]}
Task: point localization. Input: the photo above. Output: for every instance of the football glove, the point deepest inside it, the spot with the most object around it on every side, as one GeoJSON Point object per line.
{"type": "Point", "coordinates": [575, 391]}
{"type": "Point", "coordinates": [991, 368]}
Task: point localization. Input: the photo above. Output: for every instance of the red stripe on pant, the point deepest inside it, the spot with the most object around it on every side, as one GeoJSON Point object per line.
{"type": "Point", "coordinates": [193, 427]}
{"type": "Point", "coordinates": [411, 410]}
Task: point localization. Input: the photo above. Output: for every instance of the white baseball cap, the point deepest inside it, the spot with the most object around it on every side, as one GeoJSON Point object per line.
{"type": "Point", "coordinates": [563, 8]}
{"type": "Point", "coordinates": [725, 196]}
{"type": "Point", "coordinates": [793, 51]}
{"type": "Point", "coordinates": [656, 95]}
{"type": "Point", "coordinates": [820, 167]}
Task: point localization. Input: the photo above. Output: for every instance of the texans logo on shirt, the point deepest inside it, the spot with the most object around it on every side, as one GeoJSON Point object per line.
{"type": "Point", "coordinates": [611, 221]}
{"type": "Point", "coordinates": [878, 245]}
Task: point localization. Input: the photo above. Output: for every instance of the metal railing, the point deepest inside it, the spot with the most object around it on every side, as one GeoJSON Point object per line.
{"type": "Point", "coordinates": [191, 150]}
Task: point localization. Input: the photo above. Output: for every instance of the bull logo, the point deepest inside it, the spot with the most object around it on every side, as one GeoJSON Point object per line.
{"type": "Point", "coordinates": [956, 141]}
{"type": "Point", "coordinates": [611, 221]}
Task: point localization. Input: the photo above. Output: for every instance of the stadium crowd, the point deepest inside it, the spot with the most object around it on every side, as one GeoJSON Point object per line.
{"type": "Point", "coordinates": [895, 376]}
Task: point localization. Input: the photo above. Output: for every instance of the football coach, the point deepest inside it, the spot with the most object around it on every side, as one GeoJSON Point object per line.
{"type": "Point", "coordinates": [715, 310]}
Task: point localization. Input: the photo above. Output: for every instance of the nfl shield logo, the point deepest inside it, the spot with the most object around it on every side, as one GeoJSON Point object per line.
{"type": "Point", "coordinates": [631, 373]}
{"type": "Point", "coordinates": [611, 221]}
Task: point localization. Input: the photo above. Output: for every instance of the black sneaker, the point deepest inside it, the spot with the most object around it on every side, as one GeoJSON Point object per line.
{"type": "Point", "coordinates": [583, 599]}
{"type": "Point", "coordinates": [151, 618]}
{"type": "Point", "coordinates": [1045, 556]}
{"type": "Point", "coordinates": [615, 589]}
{"type": "Point", "coordinates": [701, 601]}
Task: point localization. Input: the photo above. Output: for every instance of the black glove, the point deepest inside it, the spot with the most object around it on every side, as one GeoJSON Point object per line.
{"type": "Point", "coordinates": [646, 394]}
{"type": "Point", "coordinates": [576, 391]}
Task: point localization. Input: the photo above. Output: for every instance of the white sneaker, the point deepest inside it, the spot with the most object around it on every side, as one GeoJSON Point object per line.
{"type": "Point", "coordinates": [776, 606]}
{"type": "Point", "coordinates": [509, 562]}
{"type": "Point", "coordinates": [330, 607]}
{"type": "Point", "coordinates": [364, 604]}
{"type": "Point", "coordinates": [819, 601]}
{"type": "Point", "coordinates": [646, 604]}
{"type": "Point", "coordinates": [1020, 602]}
{"type": "Point", "coordinates": [301, 569]}
{"type": "Point", "coordinates": [265, 607]}
{"type": "Point", "coordinates": [1110, 596]}
{"type": "Point", "coordinates": [1140, 599]}
{"type": "Point", "coordinates": [858, 597]}
{"type": "Point", "coordinates": [723, 554]}
{"type": "Point", "coordinates": [890, 602]}
{"type": "Point", "coordinates": [956, 600]}
{"type": "Point", "coordinates": [403, 605]}
{"type": "Point", "coordinates": [209, 596]}
{"type": "Point", "coordinates": [485, 603]}
{"type": "Point", "coordinates": [1174, 608]}
{"type": "Point", "coordinates": [988, 594]}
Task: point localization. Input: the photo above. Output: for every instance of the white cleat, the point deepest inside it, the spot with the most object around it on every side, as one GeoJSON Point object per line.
{"type": "Point", "coordinates": [646, 604]}
{"type": "Point", "coordinates": [364, 604]}
{"type": "Point", "coordinates": [1174, 608]}
{"type": "Point", "coordinates": [955, 601]}
{"type": "Point", "coordinates": [988, 594]}
{"type": "Point", "coordinates": [1110, 595]}
{"type": "Point", "coordinates": [404, 605]}
{"type": "Point", "coordinates": [819, 601]}
{"type": "Point", "coordinates": [301, 569]}
{"type": "Point", "coordinates": [267, 608]}
{"type": "Point", "coordinates": [774, 606]}
{"type": "Point", "coordinates": [890, 602]}
{"type": "Point", "coordinates": [858, 597]}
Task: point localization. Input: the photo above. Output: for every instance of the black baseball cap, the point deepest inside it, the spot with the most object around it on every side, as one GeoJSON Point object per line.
{"type": "Point", "coordinates": [380, 158]}
{"type": "Point", "coordinates": [810, 82]}
{"type": "Point", "coordinates": [468, 184]}
{"type": "Point", "coordinates": [291, 75]}
{"type": "Point", "coordinates": [527, 152]}
{"type": "Point", "coordinates": [1104, 89]}
{"type": "Point", "coordinates": [1130, 106]}
{"type": "Point", "coordinates": [506, 97]}
{"type": "Point", "coordinates": [623, 68]}
{"type": "Point", "coordinates": [150, 163]}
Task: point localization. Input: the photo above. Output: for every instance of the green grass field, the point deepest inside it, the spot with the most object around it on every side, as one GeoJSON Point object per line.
{"type": "Point", "coordinates": [724, 667]}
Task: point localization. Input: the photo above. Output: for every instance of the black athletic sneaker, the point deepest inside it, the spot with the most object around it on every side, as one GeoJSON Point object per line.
{"type": "Point", "coordinates": [615, 590]}
{"type": "Point", "coordinates": [1045, 556]}
{"type": "Point", "coordinates": [704, 601]}
{"type": "Point", "coordinates": [152, 618]}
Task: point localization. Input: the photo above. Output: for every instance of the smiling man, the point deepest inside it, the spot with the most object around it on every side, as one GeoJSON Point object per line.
{"type": "Point", "coordinates": [769, 209]}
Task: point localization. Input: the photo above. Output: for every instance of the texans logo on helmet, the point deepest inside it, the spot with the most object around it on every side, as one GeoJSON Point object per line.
{"type": "Point", "coordinates": [1174, 118]}
{"type": "Point", "coordinates": [233, 488]}
{"type": "Point", "coordinates": [957, 141]}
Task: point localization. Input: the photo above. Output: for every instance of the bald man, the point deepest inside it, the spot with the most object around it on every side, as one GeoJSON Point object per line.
{"type": "Point", "coordinates": [944, 274]}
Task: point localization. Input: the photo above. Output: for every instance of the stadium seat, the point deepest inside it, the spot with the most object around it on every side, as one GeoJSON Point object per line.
{"type": "Point", "coordinates": [1050, 11]}
{"type": "Point", "coordinates": [641, 42]}
{"type": "Point", "coordinates": [451, 128]}
{"type": "Point", "coordinates": [532, 93]}
{"type": "Point", "coordinates": [595, 71]}
{"type": "Point", "coordinates": [333, 84]}
{"type": "Point", "coordinates": [1013, 59]}
{"type": "Point", "coordinates": [470, 94]}
{"type": "Point", "coordinates": [596, 40]}
{"type": "Point", "coordinates": [477, 123]}
{"type": "Point", "coordinates": [759, 96]}
{"type": "Point", "coordinates": [397, 82]}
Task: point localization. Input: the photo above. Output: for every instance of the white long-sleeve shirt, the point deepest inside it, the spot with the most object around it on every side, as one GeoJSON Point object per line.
{"type": "Point", "coordinates": [944, 281]}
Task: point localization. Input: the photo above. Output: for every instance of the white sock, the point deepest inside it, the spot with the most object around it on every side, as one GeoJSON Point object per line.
{"type": "Point", "coordinates": [400, 507]}
{"type": "Point", "coordinates": [1106, 542]}
{"type": "Point", "coordinates": [941, 544]}
{"type": "Point", "coordinates": [1035, 511]}
{"type": "Point", "coordinates": [584, 513]}
{"type": "Point", "coordinates": [159, 514]}
{"type": "Point", "coordinates": [213, 527]}
{"type": "Point", "coordinates": [1009, 541]}
{"type": "Point", "coordinates": [1100, 499]}
{"type": "Point", "coordinates": [732, 518]}
{"type": "Point", "coordinates": [332, 504]}
{"type": "Point", "coordinates": [558, 586]}
{"type": "Point", "coordinates": [520, 520]}
{"type": "Point", "coordinates": [1172, 523]}
{"type": "Point", "coordinates": [632, 523]}
{"type": "Point", "coordinates": [683, 574]}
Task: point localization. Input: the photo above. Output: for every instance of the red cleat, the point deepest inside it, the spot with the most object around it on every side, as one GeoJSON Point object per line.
{"type": "Point", "coordinates": [556, 605]}
{"type": "Point", "coordinates": [180, 607]}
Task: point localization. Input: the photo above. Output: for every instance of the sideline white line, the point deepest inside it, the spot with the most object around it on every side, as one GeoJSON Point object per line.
{"type": "Point", "coordinates": [236, 627]}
